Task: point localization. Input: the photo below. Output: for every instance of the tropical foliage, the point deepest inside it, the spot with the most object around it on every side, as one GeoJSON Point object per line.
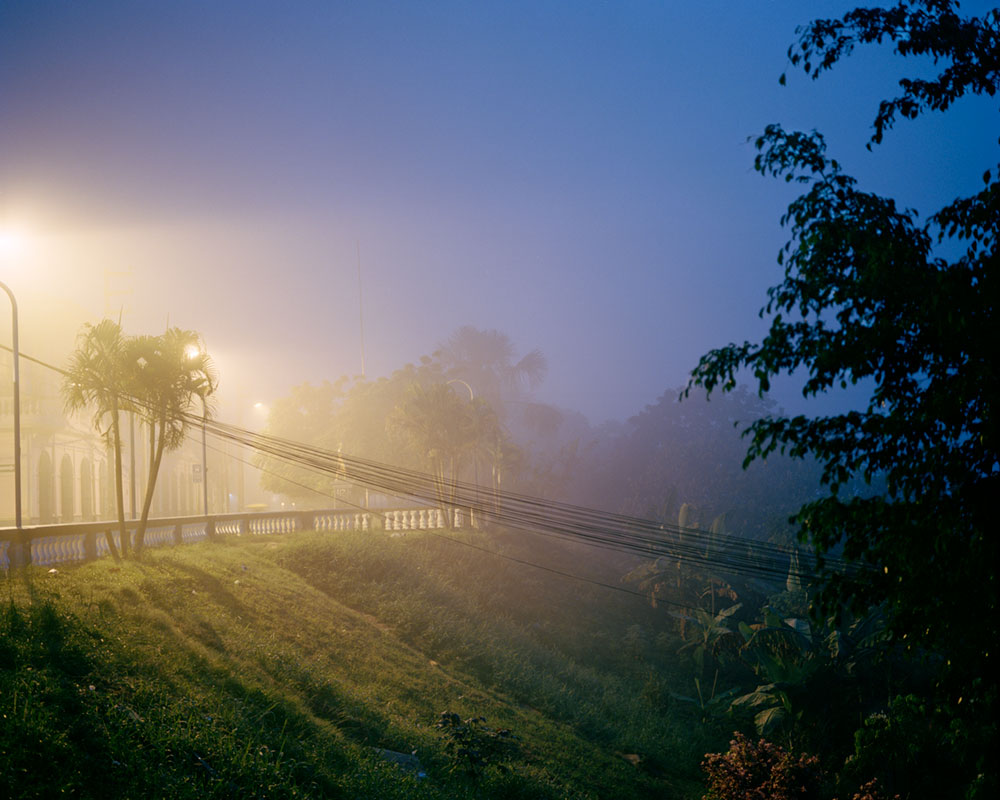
{"type": "Point", "coordinates": [429, 416]}
{"type": "Point", "coordinates": [166, 375]}
{"type": "Point", "coordinates": [874, 294]}
{"type": "Point", "coordinates": [95, 379]}
{"type": "Point", "coordinates": [158, 378]}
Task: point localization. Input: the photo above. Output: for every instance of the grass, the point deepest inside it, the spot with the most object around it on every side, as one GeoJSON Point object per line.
{"type": "Point", "coordinates": [284, 666]}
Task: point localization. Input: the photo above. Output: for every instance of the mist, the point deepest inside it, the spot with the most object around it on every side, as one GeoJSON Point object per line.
{"type": "Point", "coordinates": [361, 350]}
{"type": "Point", "coordinates": [581, 182]}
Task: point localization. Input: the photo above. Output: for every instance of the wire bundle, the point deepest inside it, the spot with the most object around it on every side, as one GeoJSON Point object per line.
{"type": "Point", "coordinates": [719, 552]}
{"type": "Point", "coordinates": [714, 552]}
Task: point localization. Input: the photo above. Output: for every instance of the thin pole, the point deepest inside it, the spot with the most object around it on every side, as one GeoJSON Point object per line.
{"type": "Point", "coordinates": [204, 464]}
{"type": "Point", "coordinates": [361, 312]}
{"type": "Point", "coordinates": [17, 408]}
{"type": "Point", "coordinates": [131, 455]}
{"type": "Point", "coordinates": [361, 321]}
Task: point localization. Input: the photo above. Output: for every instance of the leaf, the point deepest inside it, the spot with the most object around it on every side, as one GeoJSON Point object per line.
{"type": "Point", "coordinates": [764, 694]}
{"type": "Point", "coordinates": [768, 719]}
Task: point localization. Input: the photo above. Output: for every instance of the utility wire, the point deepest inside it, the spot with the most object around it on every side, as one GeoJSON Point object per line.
{"type": "Point", "coordinates": [565, 521]}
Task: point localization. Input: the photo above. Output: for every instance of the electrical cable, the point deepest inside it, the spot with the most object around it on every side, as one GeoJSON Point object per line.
{"type": "Point", "coordinates": [617, 532]}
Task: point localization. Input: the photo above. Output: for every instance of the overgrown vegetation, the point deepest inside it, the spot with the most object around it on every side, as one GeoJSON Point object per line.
{"type": "Point", "coordinates": [873, 293]}
{"type": "Point", "coordinates": [241, 669]}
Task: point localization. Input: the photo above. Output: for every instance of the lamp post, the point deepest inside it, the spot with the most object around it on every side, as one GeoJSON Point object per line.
{"type": "Point", "coordinates": [204, 459]}
{"type": "Point", "coordinates": [193, 351]}
{"type": "Point", "coordinates": [17, 408]}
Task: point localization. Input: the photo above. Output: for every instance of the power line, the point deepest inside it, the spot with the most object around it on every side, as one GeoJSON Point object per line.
{"type": "Point", "coordinates": [618, 532]}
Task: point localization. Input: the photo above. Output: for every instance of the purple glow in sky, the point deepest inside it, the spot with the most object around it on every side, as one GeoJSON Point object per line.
{"type": "Point", "coordinates": [576, 175]}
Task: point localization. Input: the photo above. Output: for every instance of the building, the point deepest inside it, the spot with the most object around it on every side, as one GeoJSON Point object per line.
{"type": "Point", "coordinates": [67, 468]}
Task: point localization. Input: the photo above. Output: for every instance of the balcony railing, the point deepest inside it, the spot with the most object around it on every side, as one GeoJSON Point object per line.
{"type": "Point", "coordinates": [44, 545]}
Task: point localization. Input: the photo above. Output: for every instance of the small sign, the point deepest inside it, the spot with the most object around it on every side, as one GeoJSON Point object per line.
{"type": "Point", "coordinates": [196, 473]}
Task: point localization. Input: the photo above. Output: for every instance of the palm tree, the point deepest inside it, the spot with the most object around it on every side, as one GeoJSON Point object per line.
{"type": "Point", "coordinates": [166, 374]}
{"type": "Point", "coordinates": [95, 378]}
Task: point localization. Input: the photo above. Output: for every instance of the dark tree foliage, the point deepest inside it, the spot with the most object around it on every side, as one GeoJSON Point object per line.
{"type": "Point", "coordinates": [868, 296]}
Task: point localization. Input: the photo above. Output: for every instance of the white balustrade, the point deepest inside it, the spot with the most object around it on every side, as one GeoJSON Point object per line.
{"type": "Point", "coordinates": [46, 550]}
{"type": "Point", "coordinates": [55, 549]}
{"type": "Point", "coordinates": [157, 537]}
{"type": "Point", "coordinates": [194, 532]}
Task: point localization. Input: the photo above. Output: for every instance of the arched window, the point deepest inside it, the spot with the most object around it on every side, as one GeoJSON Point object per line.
{"type": "Point", "coordinates": [67, 494]}
{"type": "Point", "coordinates": [46, 490]}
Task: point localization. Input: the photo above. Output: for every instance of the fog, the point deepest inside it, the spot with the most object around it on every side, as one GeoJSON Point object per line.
{"type": "Point", "coordinates": [579, 181]}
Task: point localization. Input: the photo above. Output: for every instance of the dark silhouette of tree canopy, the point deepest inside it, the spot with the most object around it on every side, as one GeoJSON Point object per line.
{"type": "Point", "coordinates": [870, 295]}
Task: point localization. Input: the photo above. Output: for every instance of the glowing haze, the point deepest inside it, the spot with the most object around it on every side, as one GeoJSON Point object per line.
{"type": "Point", "coordinates": [576, 175]}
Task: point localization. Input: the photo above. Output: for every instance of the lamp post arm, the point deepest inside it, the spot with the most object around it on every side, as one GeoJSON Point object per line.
{"type": "Point", "coordinates": [472, 396]}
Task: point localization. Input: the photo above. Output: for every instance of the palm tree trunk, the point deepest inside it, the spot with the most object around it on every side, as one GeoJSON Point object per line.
{"type": "Point", "coordinates": [155, 457]}
{"type": "Point", "coordinates": [119, 495]}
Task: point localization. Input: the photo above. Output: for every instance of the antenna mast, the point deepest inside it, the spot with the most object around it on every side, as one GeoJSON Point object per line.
{"type": "Point", "coordinates": [361, 312]}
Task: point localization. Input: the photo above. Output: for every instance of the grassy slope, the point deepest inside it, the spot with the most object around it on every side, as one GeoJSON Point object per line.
{"type": "Point", "coordinates": [234, 670]}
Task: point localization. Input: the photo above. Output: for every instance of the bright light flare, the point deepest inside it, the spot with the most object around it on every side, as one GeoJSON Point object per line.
{"type": "Point", "coordinates": [13, 243]}
{"type": "Point", "coordinates": [192, 351]}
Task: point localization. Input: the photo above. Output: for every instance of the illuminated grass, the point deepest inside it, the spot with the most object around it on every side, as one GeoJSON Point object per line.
{"type": "Point", "coordinates": [233, 670]}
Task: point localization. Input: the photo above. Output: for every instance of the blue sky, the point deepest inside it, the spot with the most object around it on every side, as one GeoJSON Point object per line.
{"type": "Point", "coordinates": [576, 175]}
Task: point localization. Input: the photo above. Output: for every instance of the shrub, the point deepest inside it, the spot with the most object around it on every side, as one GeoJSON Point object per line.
{"type": "Point", "coordinates": [760, 771]}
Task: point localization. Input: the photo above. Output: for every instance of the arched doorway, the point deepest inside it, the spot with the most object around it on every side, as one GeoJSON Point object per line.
{"type": "Point", "coordinates": [46, 490]}
{"type": "Point", "coordinates": [67, 494]}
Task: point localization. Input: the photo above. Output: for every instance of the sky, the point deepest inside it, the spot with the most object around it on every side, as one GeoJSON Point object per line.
{"type": "Point", "coordinates": [576, 175]}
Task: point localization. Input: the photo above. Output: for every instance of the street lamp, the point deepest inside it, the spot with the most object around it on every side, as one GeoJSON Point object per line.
{"type": "Point", "coordinates": [204, 459]}
{"type": "Point", "coordinates": [192, 351]}
{"type": "Point", "coordinates": [17, 408]}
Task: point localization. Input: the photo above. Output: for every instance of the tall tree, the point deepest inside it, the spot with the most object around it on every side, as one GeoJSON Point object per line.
{"type": "Point", "coordinates": [169, 376]}
{"type": "Point", "coordinates": [95, 378]}
{"type": "Point", "coordinates": [444, 428]}
{"type": "Point", "coordinates": [873, 293]}
{"type": "Point", "coordinates": [485, 360]}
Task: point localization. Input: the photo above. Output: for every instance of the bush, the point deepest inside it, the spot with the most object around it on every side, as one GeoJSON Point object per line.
{"type": "Point", "coordinates": [761, 771]}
